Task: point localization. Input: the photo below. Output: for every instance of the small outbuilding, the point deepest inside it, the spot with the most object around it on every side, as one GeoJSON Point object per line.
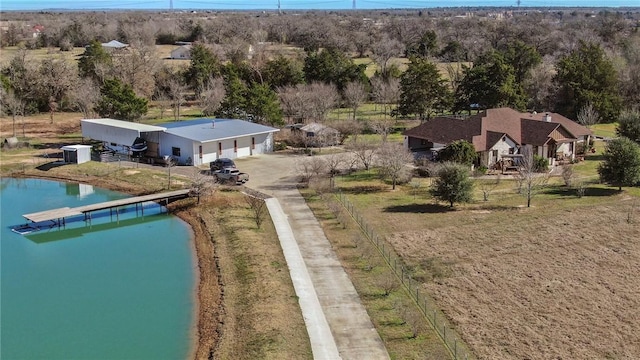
{"type": "Point", "coordinates": [181, 53]}
{"type": "Point", "coordinates": [76, 154]}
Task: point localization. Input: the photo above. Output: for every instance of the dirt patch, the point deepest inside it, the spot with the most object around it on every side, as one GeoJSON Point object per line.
{"type": "Point", "coordinates": [562, 286]}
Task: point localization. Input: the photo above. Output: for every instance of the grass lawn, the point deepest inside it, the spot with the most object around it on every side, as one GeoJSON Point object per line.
{"type": "Point", "coordinates": [604, 130]}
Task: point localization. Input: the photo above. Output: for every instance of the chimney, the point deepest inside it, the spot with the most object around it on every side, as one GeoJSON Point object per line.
{"type": "Point", "coordinates": [547, 117]}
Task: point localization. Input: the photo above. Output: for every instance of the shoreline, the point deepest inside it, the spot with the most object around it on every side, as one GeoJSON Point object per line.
{"type": "Point", "coordinates": [204, 331]}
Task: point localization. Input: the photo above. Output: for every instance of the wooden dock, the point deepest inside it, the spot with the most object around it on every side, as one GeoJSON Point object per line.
{"type": "Point", "coordinates": [57, 215]}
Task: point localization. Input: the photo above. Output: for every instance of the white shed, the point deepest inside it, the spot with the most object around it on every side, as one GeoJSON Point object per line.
{"type": "Point", "coordinates": [76, 154]}
{"type": "Point", "coordinates": [182, 53]}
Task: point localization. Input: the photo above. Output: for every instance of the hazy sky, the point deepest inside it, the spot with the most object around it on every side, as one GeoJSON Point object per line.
{"type": "Point", "coordinates": [297, 4]}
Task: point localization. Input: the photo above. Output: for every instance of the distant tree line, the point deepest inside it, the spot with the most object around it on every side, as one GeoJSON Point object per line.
{"type": "Point", "coordinates": [563, 61]}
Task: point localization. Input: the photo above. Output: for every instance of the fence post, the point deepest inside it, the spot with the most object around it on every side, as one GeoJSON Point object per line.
{"type": "Point", "coordinates": [455, 348]}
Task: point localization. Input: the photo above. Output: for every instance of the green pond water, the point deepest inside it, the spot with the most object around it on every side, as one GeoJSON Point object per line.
{"type": "Point", "coordinates": [117, 288]}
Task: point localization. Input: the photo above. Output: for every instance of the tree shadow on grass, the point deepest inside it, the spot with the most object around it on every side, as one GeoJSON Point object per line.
{"type": "Point", "coordinates": [594, 157]}
{"type": "Point", "coordinates": [588, 191]}
{"type": "Point", "coordinates": [363, 189]}
{"type": "Point", "coordinates": [361, 176]}
{"type": "Point", "coordinates": [419, 208]}
{"type": "Point", "coordinates": [50, 165]}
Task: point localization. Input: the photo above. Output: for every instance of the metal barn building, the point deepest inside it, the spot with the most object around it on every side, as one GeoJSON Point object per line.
{"type": "Point", "coordinates": [194, 142]}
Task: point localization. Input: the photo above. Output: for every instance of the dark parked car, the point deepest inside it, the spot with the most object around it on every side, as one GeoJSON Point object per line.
{"type": "Point", "coordinates": [222, 163]}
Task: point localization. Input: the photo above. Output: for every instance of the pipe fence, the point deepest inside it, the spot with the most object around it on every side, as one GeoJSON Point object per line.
{"type": "Point", "coordinates": [437, 320]}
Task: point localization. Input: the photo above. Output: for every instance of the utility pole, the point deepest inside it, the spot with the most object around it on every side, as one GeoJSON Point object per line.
{"type": "Point", "coordinates": [171, 5]}
{"type": "Point", "coordinates": [354, 4]}
{"type": "Point", "coordinates": [279, 7]}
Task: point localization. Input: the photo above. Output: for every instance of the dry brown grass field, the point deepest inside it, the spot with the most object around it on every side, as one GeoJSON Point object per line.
{"type": "Point", "coordinates": [162, 51]}
{"type": "Point", "coordinates": [554, 281]}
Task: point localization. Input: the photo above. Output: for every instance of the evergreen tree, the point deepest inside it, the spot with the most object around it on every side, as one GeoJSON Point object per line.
{"type": "Point", "coordinates": [332, 66]}
{"type": "Point", "coordinates": [459, 151]}
{"type": "Point", "coordinates": [93, 57]}
{"type": "Point", "coordinates": [118, 101]}
{"type": "Point", "coordinates": [621, 165]}
{"type": "Point", "coordinates": [426, 46]}
{"type": "Point", "coordinates": [629, 125]}
{"type": "Point", "coordinates": [490, 83]}
{"type": "Point", "coordinates": [452, 184]}
{"type": "Point", "coordinates": [586, 76]}
{"type": "Point", "coordinates": [423, 91]}
{"type": "Point", "coordinates": [204, 65]}
{"type": "Point", "coordinates": [282, 72]}
{"type": "Point", "coordinates": [263, 105]}
{"type": "Point", "coordinates": [522, 58]}
{"type": "Point", "coordinates": [234, 104]}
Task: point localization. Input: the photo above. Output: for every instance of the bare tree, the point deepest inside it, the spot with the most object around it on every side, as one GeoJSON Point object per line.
{"type": "Point", "coordinates": [201, 184]}
{"type": "Point", "coordinates": [212, 95]}
{"type": "Point", "coordinates": [56, 77]}
{"type": "Point", "coordinates": [138, 33]}
{"type": "Point", "coordinates": [322, 98]}
{"type": "Point", "coordinates": [310, 168]}
{"type": "Point", "coordinates": [13, 105]}
{"type": "Point", "coordinates": [364, 150]}
{"type": "Point", "coordinates": [293, 102]}
{"type": "Point", "coordinates": [415, 320]}
{"type": "Point", "coordinates": [530, 181]}
{"type": "Point", "coordinates": [347, 128]}
{"type": "Point", "coordinates": [176, 94]}
{"type": "Point", "coordinates": [386, 92]}
{"type": "Point", "coordinates": [85, 96]}
{"type": "Point", "coordinates": [355, 93]}
{"type": "Point", "coordinates": [335, 162]}
{"type": "Point", "coordinates": [163, 102]}
{"type": "Point", "coordinates": [588, 115]}
{"type": "Point", "coordinates": [487, 187]}
{"type": "Point", "coordinates": [388, 282]}
{"type": "Point", "coordinates": [382, 127]}
{"type": "Point", "coordinates": [384, 50]}
{"type": "Point", "coordinates": [394, 159]}
{"type": "Point", "coordinates": [258, 208]}
{"type": "Point", "coordinates": [137, 67]}
{"type": "Point", "coordinates": [540, 86]}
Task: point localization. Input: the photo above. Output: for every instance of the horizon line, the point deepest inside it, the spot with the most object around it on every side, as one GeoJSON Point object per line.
{"type": "Point", "coordinates": [327, 9]}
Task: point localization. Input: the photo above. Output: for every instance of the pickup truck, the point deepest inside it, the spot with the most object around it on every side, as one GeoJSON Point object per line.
{"type": "Point", "coordinates": [231, 175]}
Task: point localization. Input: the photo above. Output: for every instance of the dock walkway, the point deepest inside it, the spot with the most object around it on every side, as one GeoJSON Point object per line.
{"type": "Point", "coordinates": [61, 213]}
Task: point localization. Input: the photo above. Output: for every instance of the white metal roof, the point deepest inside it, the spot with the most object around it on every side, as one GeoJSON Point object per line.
{"type": "Point", "coordinates": [125, 125]}
{"type": "Point", "coordinates": [74, 147]}
{"type": "Point", "coordinates": [206, 130]}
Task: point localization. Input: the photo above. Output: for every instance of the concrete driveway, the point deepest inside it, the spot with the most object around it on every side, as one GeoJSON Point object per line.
{"type": "Point", "coordinates": [330, 304]}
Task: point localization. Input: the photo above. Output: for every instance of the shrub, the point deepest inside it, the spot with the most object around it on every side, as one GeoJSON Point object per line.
{"type": "Point", "coordinates": [540, 164]}
{"type": "Point", "coordinates": [481, 170]}
{"type": "Point", "coordinates": [279, 146]}
{"type": "Point", "coordinates": [453, 184]}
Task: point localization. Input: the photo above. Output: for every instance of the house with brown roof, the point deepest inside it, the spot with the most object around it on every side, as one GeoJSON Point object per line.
{"type": "Point", "coordinates": [498, 133]}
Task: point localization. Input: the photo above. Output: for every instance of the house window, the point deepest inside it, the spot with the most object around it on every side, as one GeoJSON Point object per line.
{"type": "Point", "coordinates": [200, 151]}
{"type": "Point", "coordinates": [235, 146]}
{"type": "Point", "coordinates": [253, 143]}
{"type": "Point", "coordinates": [219, 149]}
{"type": "Point", "coordinates": [175, 151]}
{"type": "Point", "coordinates": [512, 151]}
